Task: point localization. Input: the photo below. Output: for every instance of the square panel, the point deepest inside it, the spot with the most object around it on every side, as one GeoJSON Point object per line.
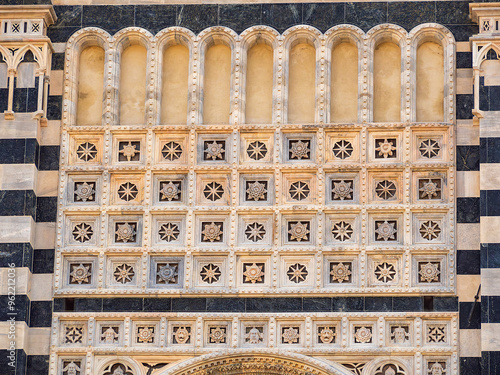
{"type": "Point", "coordinates": [297, 272]}
{"type": "Point", "coordinates": [213, 189]}
{"type": "Point", "coordinates": [256, 147]}
{"type": "Point", "coordinates": [342, 147]}
{"type": "Point", "coordinates": [210, 271]}
{"type": "Point", "coordinates": [255, 230]}
{"type": "Point", "coordinates": [172, 148]}
{"type": "Point", "coordinates": [214, 148]}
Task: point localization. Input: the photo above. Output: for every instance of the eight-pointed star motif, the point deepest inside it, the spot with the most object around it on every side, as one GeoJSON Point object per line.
{"type": "Point", "coordinates": [297, 273]}
{"type": "Point", "coordinates": [129, 150]}
{"type": "Point", "coordinates": [342, 149]}
{"type": "Point", "coordinates": [429, 272]}
{"type": "Point", "coordinates": [257, 150]}
{"type": "Point", "coordinates": [86, 151]}
{"type": "Point", "coordinates": [82, 232]}
{"type": "Point", "coordinates": [214, 150]}
{"type": "Point", "coordinates": [385, 189]}
{"type": "Point", "coordinates": [171, 151]}
{"type": "Point", "coordinates": [342, 231]}
{"type": "Point", "coordinates": [124, 273]}
{"type": "Point", "coordinates": [429, 148]}
{"type": "Point", "coordinates": [299, 190]}
{"type": "Point", "coordinates": [169, 232]}
{"type": "Point", "coordinates": [128, 191]}
{"type": "Point", "coordinates": [255, 232]}
{"type": "Point", "coordinates": [430, 230]}
{"type": "Point", "coordinates": [210, 273]}
{"type": "Point", "coordinates": [213, 191]}
{"type": "Point", "coordinates": [385, 272]}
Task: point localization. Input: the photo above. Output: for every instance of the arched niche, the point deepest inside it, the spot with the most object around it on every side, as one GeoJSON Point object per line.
{"type": "Point", "coordinates": [175, 84]}
{"type": "Point", "coordinates": [90, 86]}
{"type": "Point", "coordinates": [344, 82]}
{"type": "Point", "coordinates": [301, 82]}
{"type": "Point", "coordinates": [386, 81]}
{"type": "Point", "coordinates": [430, 82]}
{"type": "Point", "coordinates": [259, 84]}
{"type": "Point", "coordinates": [26, 85]}
{"type": "Point", "coordinates": [217, 83]}
{"type": "Point", "coordinates": [132, 92]}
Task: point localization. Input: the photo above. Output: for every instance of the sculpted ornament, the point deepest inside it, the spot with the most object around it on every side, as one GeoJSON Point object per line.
{"type": "Point", "coordinates": [256, 191]}
{"type": "Point", "coordinates": [385, 272]}
{"type": "Point", "coordinates": [340, 272]}
{"type": "Point", "coordinates": [210, 273]}
{"type": "Point", "coordinates": [342, 231]}
{"type": "Point", "coordinates": [385, 148]}
{"type": "Point", "coordinates": [72, 369]}
{"type": "Point", "coordinates": [429, 272]}
{"type": "Point", "coordinates": [429, 189]}
{"type": "Point", "coordinates": [297, 273]}
{"type": "Point", "coordinates": [255, 232]}
{"type": "Point", "coordinates": [84, 192]}
{"type": "Point", "coordinates": [342, 190]}
{"type": "Point", "coordinates": [400, 335]}
{"type": "Point", "coordinates": [299, 150]}
{"type": "Point", "coordinates": [436, 334]}
{"type": "Point", "coordinates": [326, 335]}
{"type": "Point", "coordinates": [145, 335]}
{"type": "Point", "coordinates": [214, 150]}
{"type": "Point", "coordinates": [386, 230]}
{"type": "Point", "coordinates": [429, 148]}
{"type": "Point", "coordinates": [73, 334]}
{"type": "Point", "coordinates": [128, 191]}
{"type": "Point", "coordinates": [299, 190]}
{"type": "Point", "coordinates": [217, 335]}
{"type": "Point", "coordinates": [167, 274]}
{"type": "Point", "coordinates": [125, 233]}
{"type": "Point", "coordinates": [80, 274]}
{"type": "Point", "coordinates": [109, 335]}
{"type": "Point", "coordinates": [363, 335]}
{"type": "Point", "coordinates": [290, 335]}
{"type": "Point", "coordinates": [213, 191]}
{"type": "Point", "coordinates": [82, 232]}
{"type": "Point", "coordinates": [253, 273]}
{"type": "Point", "coordinates": [129, 150]}
{"type": "Point", "coordinates": [170, 191]}
{"type": "Point", "coordinates": [254, 336]}
{"type": "Point", "coordinates": [212, 232]}
{"type": "Point", "coordinates": [298, 231]}
{"type": "Point", "coordinates": [385, 189]}
{"type": "Point", "coordinates": [429, 230]}
{"type": "Point", "coordinates": [182, 334]}
{"type": "Point", "coordinates": [436, 369]}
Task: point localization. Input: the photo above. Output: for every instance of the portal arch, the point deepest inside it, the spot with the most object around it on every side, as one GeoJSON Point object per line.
{"type": "Point", "coordinates": [256, 363]}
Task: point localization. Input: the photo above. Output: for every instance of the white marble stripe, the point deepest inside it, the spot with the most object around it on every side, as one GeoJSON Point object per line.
{"type": "Point", "coordinates": [17, 229]}
{"type": "Point", "coordinates": [490, 281]}
{"type": "Point", "coordinates": [490, 337]}
{"type": "Point", "coordinates": [470, 343]}
{"type": "Point", "coordinates": [490, 229]}
{"type": "Point", "coordinates": [468, 236]}
{"type": "Point", "coordinates": [468, 183]}
{"type": "Point", "coordinates": [18, 177]}
{"type": "Point", "coordinates": [490, 176]}
{"type": "Point", "coordinates": [25, 127]}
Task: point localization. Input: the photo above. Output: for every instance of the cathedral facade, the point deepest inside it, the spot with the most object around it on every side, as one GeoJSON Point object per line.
{"type": "Point", "coordinates": [249, 188]}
